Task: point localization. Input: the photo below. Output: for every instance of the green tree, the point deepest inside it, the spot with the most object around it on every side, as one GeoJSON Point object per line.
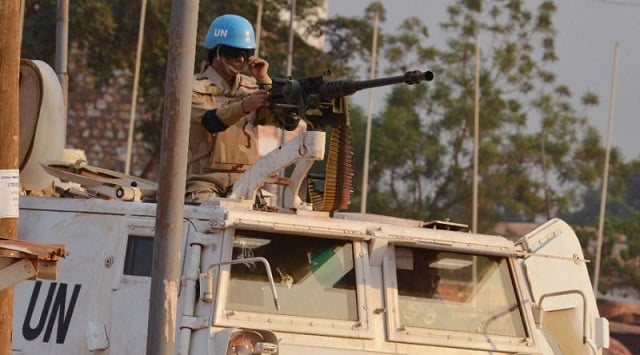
{"type": "Point", "coordinates": [620, 252]}
{"type": "Point", "coordinates": [349, 40]}
{"type": "Point", "coordinates": [623, 194]}
{"type": "Point", "coordinates": [622, 225]}
{"type": "Point", "coordinates": [536, 150]}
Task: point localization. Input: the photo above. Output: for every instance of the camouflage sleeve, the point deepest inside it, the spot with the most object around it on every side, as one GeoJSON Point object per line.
{"type": "Point", "coordinates": [202, 98]}
{"type": "Point", "coordinates": [203, 103]}
{"type": "Point", "coordinates": [232, 112]}
{"type": "Point", "coordinates": [198, 107]}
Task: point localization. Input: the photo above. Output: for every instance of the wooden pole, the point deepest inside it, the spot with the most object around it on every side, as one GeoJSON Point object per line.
{"type": "Point", "coordinates": [9, 135]}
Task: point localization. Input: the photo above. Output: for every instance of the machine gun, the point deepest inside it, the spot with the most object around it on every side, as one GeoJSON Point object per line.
{"type": "Point", "coordinates": [319, 100]}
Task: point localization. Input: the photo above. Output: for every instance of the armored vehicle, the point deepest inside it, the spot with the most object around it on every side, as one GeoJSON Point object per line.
{"type": "Point", "coordinates": [294, 276]}
{"type": "Point", "coordinates": [258, 278]}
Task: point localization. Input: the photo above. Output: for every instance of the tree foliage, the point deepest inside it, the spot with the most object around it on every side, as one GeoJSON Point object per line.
{"type": "Point", "coordinates": [621, 231]}
{"type": "Point", "coordinates": [620, 251]}
{"type": "Point", "coordinates": [536, 150]}
{"type": "Point", "coordinates": [623, 194]}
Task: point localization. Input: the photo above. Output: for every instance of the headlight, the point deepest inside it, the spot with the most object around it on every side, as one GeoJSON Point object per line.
{"type": "Point", "coordinates": [251, 342]}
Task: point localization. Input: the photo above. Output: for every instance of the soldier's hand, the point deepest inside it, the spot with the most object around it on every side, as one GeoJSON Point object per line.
{"type": "Point", "coordinates": [255, 100]}
{"type": "Point", "coordinates": [258, 68]}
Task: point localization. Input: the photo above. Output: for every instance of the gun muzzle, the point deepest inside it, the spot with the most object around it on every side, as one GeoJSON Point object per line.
{"type": "Point", "coordinates": [333, 89]}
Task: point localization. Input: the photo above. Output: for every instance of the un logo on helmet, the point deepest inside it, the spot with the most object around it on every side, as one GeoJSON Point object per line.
{"type": "Point", "coordinates": [220, 32]}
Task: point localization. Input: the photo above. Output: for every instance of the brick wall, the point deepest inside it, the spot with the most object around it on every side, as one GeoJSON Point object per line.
{"type": "Point", "coordinates": [98, 122]}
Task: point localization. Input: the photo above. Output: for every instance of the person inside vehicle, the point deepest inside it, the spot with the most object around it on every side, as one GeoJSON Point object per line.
{"type": "Point", "coordinates": [419, 279]}
{"type": "Point", "coordinates": [223, 133]}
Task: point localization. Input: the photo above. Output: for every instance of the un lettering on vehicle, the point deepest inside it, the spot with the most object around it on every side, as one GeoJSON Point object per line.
{"type": "Point", "coordinates": [56, 310]}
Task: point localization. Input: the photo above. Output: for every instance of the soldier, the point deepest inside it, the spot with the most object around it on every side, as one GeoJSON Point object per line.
{"type": "Point", "coordinates": [222, 137]}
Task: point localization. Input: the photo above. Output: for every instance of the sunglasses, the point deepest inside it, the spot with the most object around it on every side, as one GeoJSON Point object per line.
{"type": "Point", "coordinates": [236, 53]}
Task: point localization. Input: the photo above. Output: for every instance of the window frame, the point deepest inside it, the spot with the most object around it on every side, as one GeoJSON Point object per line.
{"type": "Point", "coordinates": [139, 227]}
{"type": "Point", "coordinates": [223, 317]}
{"type": "Point", "coordinates": [398, 332]}
{"type": "Point", "coordinates": [132, 246]}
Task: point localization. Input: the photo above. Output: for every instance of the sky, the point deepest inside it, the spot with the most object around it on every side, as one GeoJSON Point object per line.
{"type": "Point", "coordinates": [587, 33]}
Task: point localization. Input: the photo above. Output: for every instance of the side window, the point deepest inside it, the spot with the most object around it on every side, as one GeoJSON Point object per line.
{"type": "Point", "coordinates": [134, 252]}
{"type": "Point", "coordinates": [455, 292]}
{"type": "Point", "coordinates": [138, 256]}
{"type": "Point", "coordinates": [315, 277]}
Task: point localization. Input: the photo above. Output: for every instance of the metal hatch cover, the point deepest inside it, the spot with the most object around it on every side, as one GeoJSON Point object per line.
{"type": "Point", "coordinates": [556, 263]}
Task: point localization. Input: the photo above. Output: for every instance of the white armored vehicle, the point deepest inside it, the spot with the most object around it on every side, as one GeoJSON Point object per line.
{"type": "Point", "coordinates": [256, 282]}
{"type": "Point", "coordinates": [292, 279]}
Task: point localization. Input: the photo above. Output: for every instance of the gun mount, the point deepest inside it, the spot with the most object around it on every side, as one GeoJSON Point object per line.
{"type": "Point", "coordinates": [319, 100]}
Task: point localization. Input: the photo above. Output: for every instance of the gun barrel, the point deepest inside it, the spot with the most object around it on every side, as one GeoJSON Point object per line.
{"type": "Point", "coordinates": [339, 88]}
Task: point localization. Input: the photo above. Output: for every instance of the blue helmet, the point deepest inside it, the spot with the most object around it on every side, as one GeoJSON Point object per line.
{"type": "Point", "coordinates": [230, 30]}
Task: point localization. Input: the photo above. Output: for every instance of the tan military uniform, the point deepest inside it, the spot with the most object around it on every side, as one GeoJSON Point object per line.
{"type": "Point", "coordinates": [217, 160]}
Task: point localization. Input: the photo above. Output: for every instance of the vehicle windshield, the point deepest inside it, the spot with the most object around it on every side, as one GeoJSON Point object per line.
{"type": "Point", "coordinates": [315, 277]}
{"type": "Point", "coordinates": [454, 291]}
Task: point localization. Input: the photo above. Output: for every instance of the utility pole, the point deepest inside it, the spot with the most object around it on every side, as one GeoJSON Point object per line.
{"type": "Point", "coordinates": [9, 135]}
{"type": "Point", "coordinates": [167, 243]}
{"type": "Point", "coordinates": [283, 133]}
{"type": "Point", "coordinates": [134, 90]}
{"type": "Point", "coordinates": [259, 27]}
{"type": "Point", "coordinates": [367, 139]}
{"type": "Point", "coordinates": [292, 14]}
{"type": "Point", "coordinates": [62, 51]}
{"type": "Point", "coordinates": [605, 177]}
{"type": "Point", "coordinates": [476, 136]}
